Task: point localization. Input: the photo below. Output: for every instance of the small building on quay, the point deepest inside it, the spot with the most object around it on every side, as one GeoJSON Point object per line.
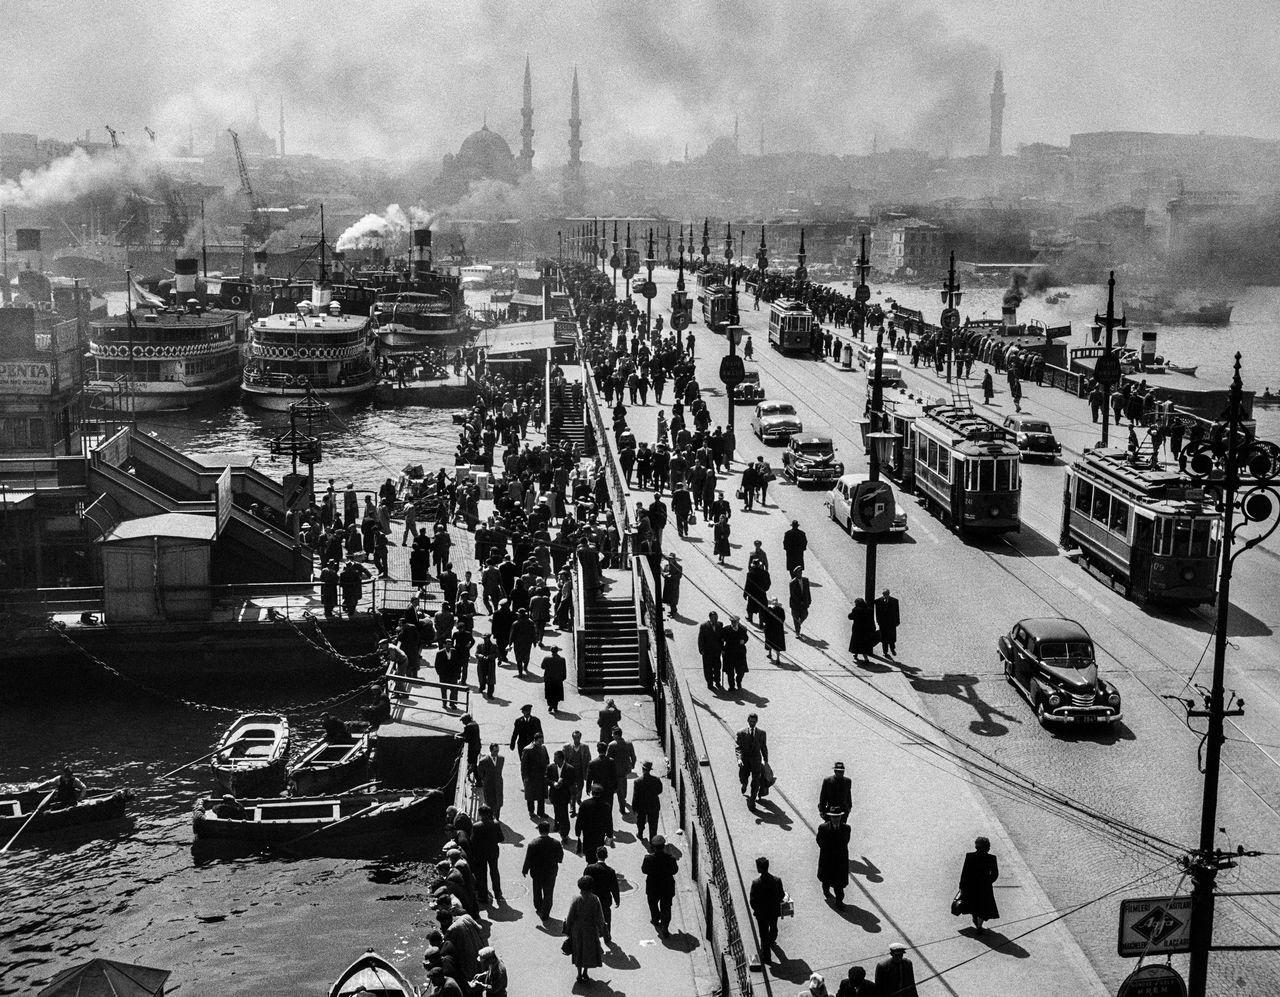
{"type": "Point", "coordinates": [41, 383]}
{"type": "Point", "coordinates": [908, 246]}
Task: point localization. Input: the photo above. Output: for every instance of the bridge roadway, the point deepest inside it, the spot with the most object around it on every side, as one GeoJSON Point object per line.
{"type": "Point", "coordinates": [957, 597]}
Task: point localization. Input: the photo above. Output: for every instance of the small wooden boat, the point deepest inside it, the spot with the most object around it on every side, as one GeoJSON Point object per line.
{"type": "Point", "coordinates": [283, 820]}
{"type": "Point", "coordinates": [251, 755]}
{"type": "Point", "coordinates": [16, 807]}
{"type": "Point", "coordinates": [328, 767]}
{"type": "Point", "coordinates": [373, 975]}
{"type": "Point", "coordinates": [1181, 368]}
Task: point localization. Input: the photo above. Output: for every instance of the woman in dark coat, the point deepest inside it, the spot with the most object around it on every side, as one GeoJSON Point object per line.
{"type": "Point", "coordinates": [862, 635]}
{"type": "Point", "coordinates": [721, 549]}
{"type": "Point", "coordinates": [584, 924]}
{"type": "Point", "coordinates": [756, 589]}
{"type": "Point", "coordinates": [419, 563]}
{"type": "Point", "coordinates": [988, 388]}
{"type": "Point", "coordinates": [801, 598]}
{"type": "Point", "coordinates": [979, 872]}
{"type": "Point", "coordinates": [774, 620]}
{"type": "Point", "coordinates": [833, 857]}
{"type": "Point", "coordinates": [500, 626]}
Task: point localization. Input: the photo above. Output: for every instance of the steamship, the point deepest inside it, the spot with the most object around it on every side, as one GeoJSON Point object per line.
{"type": "Point", "coordinates": [310, 344]}
{"type": "Point", "coordinates": [426, 312]}
{"type": "Point", "coordinates": [166, 356]}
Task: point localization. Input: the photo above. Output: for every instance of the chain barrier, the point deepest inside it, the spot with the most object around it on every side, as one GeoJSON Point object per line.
{"type": "Point", "coordinates": [319, 704]}
{"type": "Point", "coordinates": [323, 646]}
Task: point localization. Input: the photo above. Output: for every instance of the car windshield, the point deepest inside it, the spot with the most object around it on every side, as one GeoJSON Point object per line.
{"type": "Point", "coordinates": [750, 375]}
{"type": "Point", "coordinates": [1031, 426]}
{"type": "Point", "coordinates": [815, 448]}
{"type": "Point", "coordinates": [780, 408]}
{"type": "Point", "coordinates": [1067, 653]}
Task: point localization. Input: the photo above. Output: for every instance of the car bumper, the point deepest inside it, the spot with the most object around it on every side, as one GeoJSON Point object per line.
{"type": "Point", "coordinates": [778, 432]}
{"type": "Point", "coordinates": [1083, 715]}
{"type": "Point", "coordinates": [741, 395]}
{"type": "Point", "coordinates": [816, 473]}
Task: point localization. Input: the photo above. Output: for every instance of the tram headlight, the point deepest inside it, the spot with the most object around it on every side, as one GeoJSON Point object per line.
{"type": "Point", "coordinates": [1189, 575]}
{"type": "Point", "coordinates": [995, 512]}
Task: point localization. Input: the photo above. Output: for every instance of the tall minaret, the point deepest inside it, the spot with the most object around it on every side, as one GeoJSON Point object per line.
{"type": "Point", "coordinates": [573, 187]}
{"type": "Point", "coordinates": [995, 146]}
{"type": "Point", "coordinates": [282, 126]}
{"type": "Point", "coordinates": [526, 132]}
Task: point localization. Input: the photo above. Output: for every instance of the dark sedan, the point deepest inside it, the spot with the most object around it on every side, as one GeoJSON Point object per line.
{"type": "Point", "coordinates": [1051, 662]}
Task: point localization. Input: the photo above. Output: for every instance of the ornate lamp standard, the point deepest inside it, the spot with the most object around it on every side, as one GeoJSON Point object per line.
{"type": "Point", "coordinates": [861, 293]}
{"type": "Point", "coordinates": [668, 247]}
{"type": "Point", "coordinates": [649, 289]}
{"type": "Point", "coordinates": [628, 271]}
{"type": "Point", "coordinates": [706, 241]}
{"type": "Point", "coordinates": [728, 246]}
{"type": "Point", "coordinates": [762, 264]}
{"type": "Point", "coordinates": [1106, 370]}
{"type": "Point", "coordinates": [614, 262]}
{"type": "Point", "coordinates": [950, 321]}
{"type": "Point", "coordinates": [802, 272]}
{"type": "Point", "coordinates": [1245, 473]}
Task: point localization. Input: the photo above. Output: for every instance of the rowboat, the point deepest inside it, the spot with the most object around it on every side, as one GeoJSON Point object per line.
{"type": "Point", "coordinates": [1178, 368]}
{"type": "Point", "coordinates": [373, 975]}
{"type": "Point", "coordinates": [283, 820]}
{"type": "Point", "coordinates": [16, 807]}
{"type": "Point", "coordinates": [251, 755]}
{"type": "Point", "coordinates": [328, 767]}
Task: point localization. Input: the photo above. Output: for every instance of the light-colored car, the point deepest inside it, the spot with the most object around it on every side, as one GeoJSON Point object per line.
{"type": "Point", "coordinates": [890, 372]}
{"type": "Point", "coordinates": [774, 421]}
{"type": "Point", "coordinates": [840, 505]}
{"type": "Point", "coordinates": [1034, 437]}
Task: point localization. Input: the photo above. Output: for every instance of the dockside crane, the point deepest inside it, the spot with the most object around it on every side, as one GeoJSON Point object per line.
{"type": "Point", "coordinates": [115, 139]}
{"type": "Point", "coordinates": [257, 228]}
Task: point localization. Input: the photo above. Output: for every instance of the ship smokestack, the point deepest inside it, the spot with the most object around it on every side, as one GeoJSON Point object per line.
{"type": "Point", "coordinates": [420, 259]}
{"type": "Point", "coordinates": [1012, 299]}
{"type": "Point", "coordinates": [1148, 354]}
{"type": "Point", "coordinates": [321, 295]}
{"type": "Point", "coordinates": [260, 266]}
{"type": "Point", "coordinates": [28, 246]}
{"type": "Point", "coordinates": [184, 277]}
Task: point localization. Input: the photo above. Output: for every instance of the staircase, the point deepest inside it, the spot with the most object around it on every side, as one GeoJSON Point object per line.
{"type": "Point", "coordinates": [573, 426]}
{"type": "Point", "coordinates": [960, 394]}
{"type": "Point", "coordinates": [609, 648]}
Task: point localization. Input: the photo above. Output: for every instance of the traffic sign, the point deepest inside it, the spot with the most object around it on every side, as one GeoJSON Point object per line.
{"type": "Point", "coordinates": [873, 507]}
{"type": "Point", "coordinates": [1151, 926]}
{"type": "Point", "coordinates": [1153, 981]}
{"type": "Point", "coordinates": [950, 319]}
{"type": "Point", "coordinates": [1107, 369]}
{"type": "Point", "coordinates": [862, 293]}
{"type": "Point", "coordinates": [615, 261]}
{"type": "Point", "coordinates": [732, 370]}
{"type": "Point", "coordinates": [649, 290]}
{"type": "Point", "coordinates": [680, 321]}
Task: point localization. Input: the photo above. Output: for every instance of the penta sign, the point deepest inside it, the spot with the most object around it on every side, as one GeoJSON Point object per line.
{"type": "Point", "coordinates": [1152, 926]}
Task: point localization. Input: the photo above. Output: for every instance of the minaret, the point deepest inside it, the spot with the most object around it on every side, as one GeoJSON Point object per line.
{"type": "Point", "coordinates": [735, 133]}
{"type": "Point", "coordinates": [995, 145]}
{"type": "Point", "coordinates": [282, 126]}
{"type": "Point", "coordinates": [526, 132]}
{"type": "Point", "coordinates": [573, 193]}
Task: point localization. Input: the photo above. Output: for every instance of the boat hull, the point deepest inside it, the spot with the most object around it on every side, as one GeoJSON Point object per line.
{"type": "Point", "coordinates": [93, 809]}
{"type": "Point", "coordinates": [373, 974]}
{"type": "Point", "coordinates": [159, 396]}
{"type": "Point", "coordinates": [327, 768]}
{"type": "Point", "coordinates": [252, 754]}
{"type": "Point", "coordinates": [279, 399]}
{"type": "Point", "coordinates": [284, 821]}
{"type": "Point", "coordinates": [403, 340]}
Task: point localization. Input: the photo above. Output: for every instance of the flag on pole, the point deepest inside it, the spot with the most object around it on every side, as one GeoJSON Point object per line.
{"type": "Point", "coordinates": [138, 295]}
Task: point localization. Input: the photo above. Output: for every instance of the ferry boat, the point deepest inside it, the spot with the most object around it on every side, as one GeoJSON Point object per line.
{"type": "Point", "coordinates": [1161, 310]}
{"type": "Point", "coordinates": [167, 357]}
{"type": "Point", "coordinates": [313, 343]}
{"type": "Point", "coordinates": [425, 311]}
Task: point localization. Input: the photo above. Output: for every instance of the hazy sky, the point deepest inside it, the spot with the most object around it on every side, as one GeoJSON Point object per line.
{"type": "Point", "coordinates": [398, 78]}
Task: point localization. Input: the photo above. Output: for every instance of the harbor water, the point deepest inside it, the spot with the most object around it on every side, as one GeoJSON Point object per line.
{"type": "Point", "coordinates": [271, 923]}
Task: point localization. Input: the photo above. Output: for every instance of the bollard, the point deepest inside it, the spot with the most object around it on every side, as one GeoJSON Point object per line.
{"type": "Point", "coordinates": [681, 800]}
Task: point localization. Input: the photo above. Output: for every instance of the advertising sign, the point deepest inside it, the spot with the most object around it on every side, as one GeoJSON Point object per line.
{"type": "Point", "coordinates": [26, 377]}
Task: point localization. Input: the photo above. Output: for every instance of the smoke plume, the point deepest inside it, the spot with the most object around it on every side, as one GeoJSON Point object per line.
{"type": "Point", "coordinates": [74, 176]}
{"type": "Point", "coordinates": [392, 225]}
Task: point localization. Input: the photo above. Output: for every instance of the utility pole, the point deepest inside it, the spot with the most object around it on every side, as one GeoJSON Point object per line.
{"type": "Point", "coordinates": [1106, 370]}
{"type": "Point", "coordinates": [951, 296]}
{"type": "Point", "coordinates": [613, 260]}
{"type": "Point", "coordinates": [1230, 461]}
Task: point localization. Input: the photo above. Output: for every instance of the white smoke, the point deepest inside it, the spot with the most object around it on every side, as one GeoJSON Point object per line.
{"type": "Point", "coordinates": [72, 176]}
{"type": "Point", "coordinates": [392, 225]}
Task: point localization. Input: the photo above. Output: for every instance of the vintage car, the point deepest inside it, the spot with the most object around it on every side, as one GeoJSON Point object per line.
{"type": "Point", "coordinates": [749, 390]}
{"type": "Point", "coordinates": [775, 421]}
{"type": "Point", "coordinates": [1050, 661]}
{"type": "Point", "coordinates": [841, 505]}
{"type": "Point", "coordinates": [1034, 437]}
{"type": "Point", "coordinates": [890, 372]}
{"type": "Point", "coordinates": [811, 459]}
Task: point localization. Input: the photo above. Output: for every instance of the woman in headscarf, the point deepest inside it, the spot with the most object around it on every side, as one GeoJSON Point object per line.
{"type": "Point", "coordinates": [862, 635]}
{"type": "Point", "coordinates": [774, 620]}
{"type": "Point", "coordinates": [583, 926]}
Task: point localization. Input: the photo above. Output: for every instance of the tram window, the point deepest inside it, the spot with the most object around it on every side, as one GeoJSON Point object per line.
{"type": "Point", "coordinates": [1004, 477]}
{"type": "Point", "coordinates": [1181, 545]}
{"type": "Point", "coordinates": [986, 475]}
{"type": "Point", "coordinates": [1119, 516]}
{"type": "Point", "coordinates": [1084, 496]}
{"type": "Point", "coordinates": [1201, 533]}
{"type": "Point", "coordinates": [1101, 505]}
{"type": "Point", "coordinates": [932, 460]}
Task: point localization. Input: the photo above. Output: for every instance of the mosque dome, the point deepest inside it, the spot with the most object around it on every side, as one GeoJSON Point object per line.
{"type": "Point", "coordinates": [722, 148]}
{"type": "Point", "coordinates": [485, 154]}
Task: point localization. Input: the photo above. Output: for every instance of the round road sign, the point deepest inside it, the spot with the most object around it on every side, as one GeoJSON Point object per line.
{"type": "Point", "coordinates": [649, 290]}
{"type": "Point", "coordinates": [950, 319]}
{"type": "Point", "coordinates": [680, 321]}
{"type": "Point", "coordinates": [862, 293]}
{"type": "Point", "coordinates": [628, 272]}
{"type": "Point", "coordinates": [615, 261]}
{"type": "Point", "coordinates": [732, 370]}
{"type": "Point", "coordinates": [1153, 981]}
{"type": "Point", "coordinates": [1107, 369]}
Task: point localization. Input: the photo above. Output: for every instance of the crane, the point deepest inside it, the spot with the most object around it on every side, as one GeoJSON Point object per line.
{"type": "Point", "coordinates": [150, 133]}
{"type": "Point", "coordinates": [256, 228]}
{"type": "Point", "coordinates": [115, 141]}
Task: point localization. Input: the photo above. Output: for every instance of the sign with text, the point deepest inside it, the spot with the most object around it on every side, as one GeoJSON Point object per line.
{"type": "Point", "coordinates": [26, 377]}
{"type": "Point", "coordinates": [1152, 926]}
{"type": "Point", "coordinates": [1153, 981]}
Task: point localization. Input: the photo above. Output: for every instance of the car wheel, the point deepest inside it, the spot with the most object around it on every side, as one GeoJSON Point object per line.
{"type": "Point", "coordinates": [1007, 665]}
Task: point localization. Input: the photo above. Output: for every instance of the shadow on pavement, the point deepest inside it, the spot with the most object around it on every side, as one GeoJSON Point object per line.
{"type": "Point", "coordinates": [795, 970]}
{"type": "Point", "coordinates": [768, 812]}
{"type": "Point", "coordinates": [616, 958]}
{"type": "Point", "coordinates": [867, 869]}
{"type": "Point", "coordinates": [963, 688]}
{"type": "Point", "coordinates": [505, 912]}
{"type": "Point", "coordinates": [1099, 734]}
{"type": "Point", "coordinates": [858, 917]}
{"type": "Point", "coordinates": [1027, 543]}
{"type": "Point", "coordinates": [599, 988]}
{"type": "Point", "coordinates": [681, 941]}
{"type": "Point", "coordinates": [996, 941]}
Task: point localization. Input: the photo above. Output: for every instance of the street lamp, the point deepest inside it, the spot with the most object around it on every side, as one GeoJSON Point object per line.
{"type": "Point", "coordinates": [951, 297]}
{"type": "Point", "coordinates": [762, 263]}
{"type": "Point", "coordinates": [802, 273]}
{"type": "Point", "coordinates": [878, 449]}
{"type": "Point", "coordinates": [1106, 369]}
{"type": "Point", "coordinates": [1245, 472]}
{"type": "Point", "coordinates": [706, 241]}
{"type": "Point", "coordinates": [861, 293]}
{"type": "Point", "coordinates": [613, 259]}
{"type": "Point", "coordinates": [649, 289]}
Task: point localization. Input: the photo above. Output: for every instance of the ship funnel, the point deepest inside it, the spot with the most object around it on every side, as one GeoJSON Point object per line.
{"type": "Point", "coordinates": [184, 277]}
{"type": "Point", "coordinates": [260, 265]}
{"type": "Point", "coordinates": [321, 295]}
{"type": "Point", "coordinates": [28, 246]}
{"type": "Point", "coordinates": [420, 260]}
{"type": "Point", "coordinates": [1009, 312]}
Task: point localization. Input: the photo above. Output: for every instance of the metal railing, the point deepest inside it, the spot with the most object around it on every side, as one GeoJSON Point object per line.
{"type": "Point", "coordinates": [424, 696]}
{"type": "Point", "coordinates": [608, 456]}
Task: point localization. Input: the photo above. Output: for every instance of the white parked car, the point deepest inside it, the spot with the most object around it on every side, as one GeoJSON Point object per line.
{"type": "Point", "coordinates": [842, 495]}
{"type": "Point", "coordinates": [775, 421]}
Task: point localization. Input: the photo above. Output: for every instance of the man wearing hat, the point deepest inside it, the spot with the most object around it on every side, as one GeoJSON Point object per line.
{"type": "Point", "coordinates": [896, 975]}
{"type": "Point", "coordinates": [733, 654]}
{"type": "Point", "coordinates": [525, 729]}
{"type": "Point", "coordinates": [645, 801]}
{"type": "Point", "coordinates": [836, 795]}
{"type": "Point", "coordinates": [534, 763]}
{"type": "Point", "coordinates": [230, 809]}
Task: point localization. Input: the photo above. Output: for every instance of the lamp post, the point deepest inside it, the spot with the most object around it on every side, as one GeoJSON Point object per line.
{"type": "Point", "coordinates": [1245, 473]}
{"type": "Point", "coordinates": [861, 293]}
{"type": "Point", "coordinates": [706, 241]}
{"type": "Point", "coordinates": [731, 390]}
{"type": "Point", "coordinates": [1106, 369]}
{"type": "Point", "coordinates": [668, 247]}
{"type": "Point", "coordinates": [951, 297]}
{"type": "Point", "coordinates": [649, 290]}
{"type": "Point", "coordinates": [762, 264]}
{"type": "Point", "coordinates": [613, 259]}
{"type": "Point", "coordinates": [627, 272]}
{"type": "Point", "coordinates": [875, 439]}
{"type": "Point", "coordinates": [802, 272]}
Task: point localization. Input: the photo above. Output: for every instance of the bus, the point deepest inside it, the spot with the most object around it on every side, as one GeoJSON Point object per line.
{"type": "Point", "coordinates": [1150, 528]}
{"type": "Point", "coordinates": [967, 469]}
{"type": "Point", "coordinates": [717, 308]}
{"type": "Point", "coordinates": [790, 326]}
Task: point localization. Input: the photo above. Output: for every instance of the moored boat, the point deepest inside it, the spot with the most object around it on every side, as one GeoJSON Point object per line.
{"type": "Point", "coordinates": [285, 820]}
{"type": "Point", "coordinates": [251, 756]}
{"type": "Point", "coordinates": [329, 766]}
{"type": "Point", "coordinates": [17, 807]}
{"type": "Point", "coordinates": [1161, 310]}
{"type": "Point", "coordinates": [373, 975]}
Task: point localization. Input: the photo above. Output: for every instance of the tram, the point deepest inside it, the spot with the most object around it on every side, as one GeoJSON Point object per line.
{"type": "Point", "coordinates": [790, 326]}
{"type": "Point", "coordinates": [1151, 528]}
{"type": "Point", "coordinates": [717, 308]}
{"type": "Point", "coordinates": [967, 469]}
